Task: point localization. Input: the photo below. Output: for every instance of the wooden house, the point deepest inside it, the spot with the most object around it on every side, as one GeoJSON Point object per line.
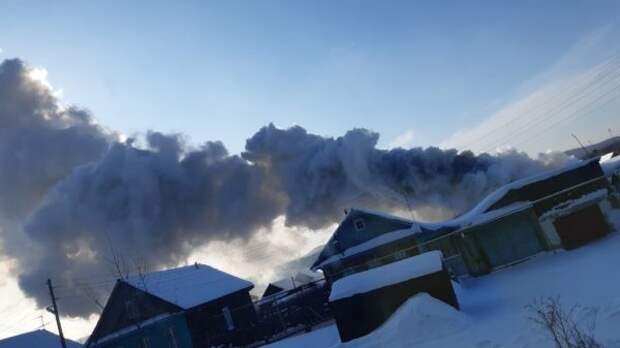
{"type": "Point", "coordinates": [191, 306]}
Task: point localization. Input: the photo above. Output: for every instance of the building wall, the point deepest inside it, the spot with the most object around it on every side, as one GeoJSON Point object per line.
{"type": "Point", "coordinates": [116, 317]}
{"type": "Point", "coordinates": [508, 240]}
{"type": "Point", "coordinates": [480, 248]}
{"type": "Point", "coordinates": [208, 323]}
{"type": "Point", "coordinates": [170, 332]}
{"type": "Point", "coordinates": [452, 249]}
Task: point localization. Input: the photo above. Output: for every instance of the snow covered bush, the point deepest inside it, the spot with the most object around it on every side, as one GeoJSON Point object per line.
{"type": "Point", "coordinates": [572, 328]}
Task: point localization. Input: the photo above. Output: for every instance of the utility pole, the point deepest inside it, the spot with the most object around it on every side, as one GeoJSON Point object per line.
{"type": "Point", "coordinates": [55, 311]}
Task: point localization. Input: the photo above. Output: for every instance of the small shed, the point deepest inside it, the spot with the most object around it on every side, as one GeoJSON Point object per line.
{"type": "Point", "coordinates": [363, 301]}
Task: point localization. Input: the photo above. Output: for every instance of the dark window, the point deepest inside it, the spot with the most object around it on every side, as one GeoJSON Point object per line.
{"type": "Point", "coordinates": [359, 224]}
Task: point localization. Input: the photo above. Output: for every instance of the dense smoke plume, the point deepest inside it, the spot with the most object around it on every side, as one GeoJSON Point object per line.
{"type": "Point", "coordinates": [75, 199]}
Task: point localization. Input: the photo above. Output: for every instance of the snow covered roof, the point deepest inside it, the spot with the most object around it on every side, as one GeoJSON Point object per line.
{"type": "Point", "coordinates": [392, 273]}
{"type": "Point", "coordinates": [610, 164]}
{"type": "Point", "coordinates": [189, 286]}
{"type": "Point", "coordinates": [38, 339]}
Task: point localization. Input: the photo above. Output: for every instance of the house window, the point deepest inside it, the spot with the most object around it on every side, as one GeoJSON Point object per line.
{"type": "Point", "coordinates": [130, 308]}
{"type": "Point", "coordinates": [230, 325]}
{"type": "Point", "coordinates": [172, 337]}
{"type": "Point", "coordinates": [146, 343]}
{"type": "Point", "coordinates": [359, 224]}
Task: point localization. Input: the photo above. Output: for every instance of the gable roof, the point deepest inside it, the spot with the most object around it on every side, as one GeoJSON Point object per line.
{"type": "Point", "coordinates": [189, 286]}
{"type": "Point", "coordinates": [332, 247]}
{"type": "Point", "coordinates": [38, 339]}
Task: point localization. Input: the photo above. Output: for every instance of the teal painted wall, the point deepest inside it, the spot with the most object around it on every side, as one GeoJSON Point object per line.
{"type": "Point", "coordinates": [509, 239]}
{"type": "Point", "coordinates": [158, 335]}
{"type": "Point", "coordinates": [480, 248]}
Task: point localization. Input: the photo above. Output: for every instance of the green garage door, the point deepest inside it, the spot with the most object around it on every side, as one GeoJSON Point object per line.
{"type": "Point", "coordinates": [510, 239]}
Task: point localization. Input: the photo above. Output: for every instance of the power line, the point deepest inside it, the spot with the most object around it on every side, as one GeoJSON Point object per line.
{"type": "Point", "coordinates": [594, 81]}
{"type": "Point", "coordinates": [606, 74]}
{"type": "Point", "coordinates": [573, 115]}
{"type": "Point", "coordinates": [526, 127]}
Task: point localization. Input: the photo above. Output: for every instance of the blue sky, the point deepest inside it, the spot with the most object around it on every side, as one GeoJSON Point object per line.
{"type": "Point", "coordinates": [222, 69]}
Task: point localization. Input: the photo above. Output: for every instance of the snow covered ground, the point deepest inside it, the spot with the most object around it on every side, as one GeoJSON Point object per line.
{"type": "Point", "coordinates": [493, 307]}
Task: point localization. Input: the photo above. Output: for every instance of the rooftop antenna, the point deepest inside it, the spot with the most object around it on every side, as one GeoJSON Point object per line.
{"type": "Point", "coordinates": [580, 144]}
